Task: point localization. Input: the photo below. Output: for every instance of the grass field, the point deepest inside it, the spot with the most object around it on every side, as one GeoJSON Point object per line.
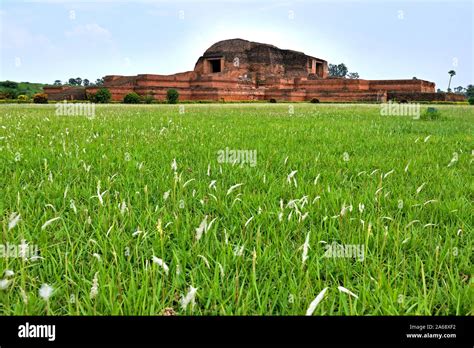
{"type": "Point", "coordinates": [132, 211]}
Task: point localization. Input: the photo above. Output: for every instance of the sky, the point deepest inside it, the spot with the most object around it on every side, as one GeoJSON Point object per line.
{"type": "Point", "coordinates": [48, 40]}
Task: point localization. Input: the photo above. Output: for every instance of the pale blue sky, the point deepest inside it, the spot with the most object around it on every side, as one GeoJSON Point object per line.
{"type": "Point", "coordinates": [42, 40]}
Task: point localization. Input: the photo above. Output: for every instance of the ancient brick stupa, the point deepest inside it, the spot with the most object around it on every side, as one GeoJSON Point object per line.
{"type": "Point", "coordinates": [241, 70]}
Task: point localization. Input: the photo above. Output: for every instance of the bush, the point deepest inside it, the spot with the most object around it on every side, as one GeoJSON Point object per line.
{"type": "Point", "coordinates": [149, 99]}
{"type": "Point", "coordinates": [430, 114]}
{"type": "Point", "coordinates": [172, 96]}
{"type": "Point", "coordinates": [102, 96]}
{"type": "Point", "coordinates": [23, 98]}
{"type": "Point", "coordinates": [132, 98]}
{"type": "Point", "coordinates": [314, 100]}
{"type": "Point", "coordinates": [40, 98]}
{"type": "Point", "coordinates": [272, 100]}
{"type": "Point", "coordinates": [471, 100]}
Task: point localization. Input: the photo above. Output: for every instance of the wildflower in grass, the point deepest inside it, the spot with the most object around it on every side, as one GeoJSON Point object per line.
{"type": "Point", "coordinates": [205, 261]}
{"type": "Point", "coordinates": [315, 302]}
{"type": "Point", "coordinates": [418, 190]}
{"type": "Point", "coordinates": [123, 207]}
{"type": "Point", "coordinates": [137, 232]}
{"type": "Point", "coordinates": [343, 289]}
{"type": "Point", "coordinates": [189, 298]}
{"type": "Point", "coordinates": [315, 182]}
{"type": "Point", "coordinates": [305, 249]}
{"type": "Point", "coordinates": [454, 159]}
{"type": "Point", "coordinates": [166, 195]}
{"type": "Point", "coordinates": [45, 292]}
{"type": "Point", "coordinates": [49, 222]}
{"type": "Point", "coordinates": [4, 284]}
{"type": "Point", "coordinates": [202, 228]}
{"type": "Point", "coordinates": [361, 207]}
{"type": "Point", "coordinates": [291, 177]}
{"type": "Point", "coordinates": [8, 273]}
{"type": "Point", "coordinates": [17, 157]}
{"type": "Point", "coordinates": [72, 205]}
{"type": "Point", "coordinates": [238, 250]}
{"type": "Point", "coordinates": [174, 165]}
{"type": "Point", "coordinates": [127, 157]}
{"type": "Point", "coordinates": [232, 188]}
{"type": "Point", "coordinates": [388, 173]}
{"type": "Point", "coordinates": [24, 296]}
{"type": "Point", "coordinates": [13, 221]}
{"type": "Point", "coordinates": [161, 263]}
{"type": "Point", "coordinates": [99, 194]}
{"type": "Point", "coordinates": [345, 157]}
{"type": "Point", "coordinates": [95, 286]}
{"type": "Point", "coordinates": [97, 256]}
{"type": "Point", "coordinates": [212, 185]}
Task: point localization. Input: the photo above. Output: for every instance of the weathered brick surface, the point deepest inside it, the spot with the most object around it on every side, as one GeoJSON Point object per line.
{"type": "Point", "coordinates": [236, 70]}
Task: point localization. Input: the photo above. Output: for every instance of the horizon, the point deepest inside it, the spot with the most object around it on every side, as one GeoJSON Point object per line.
{"type": "Point", "coordinates": [65, 38]}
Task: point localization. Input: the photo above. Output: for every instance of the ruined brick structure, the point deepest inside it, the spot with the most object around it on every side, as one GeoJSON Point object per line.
{"type": "Point", "coordinates": [241, 70]}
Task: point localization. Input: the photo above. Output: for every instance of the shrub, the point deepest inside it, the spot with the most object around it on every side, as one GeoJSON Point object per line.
{"type": "Point", "coordinates": [471, 100]}
{"type": "Point", "coordinates": [132, 98]}
{"type": "Point", "coordinates": [103, 96]}
{"type": "Point", "coordinates": [430, 114]}
{"type": "Point", "coordinates": [272, 100]}
{"type": "Point", "coordinates": [40, 98]}
{"type": "Point", "coordinates": [314, 100]}
{"type": "Point", "coordinates": [172, 96]}
{"type": "Point", "coordinates": [149, 99]}
{"type": "Point", "coordinates": [23, 98]}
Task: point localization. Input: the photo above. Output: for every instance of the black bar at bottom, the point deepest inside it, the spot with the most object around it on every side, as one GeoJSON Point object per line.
{"type": "Point", "coordinates": [429, 331]}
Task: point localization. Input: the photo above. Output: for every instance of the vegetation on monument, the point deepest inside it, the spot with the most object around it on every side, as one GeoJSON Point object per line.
{"type": "Point", "coordinates": [116, 205]}
{"type": "Point", "coordinates": [172, 96]}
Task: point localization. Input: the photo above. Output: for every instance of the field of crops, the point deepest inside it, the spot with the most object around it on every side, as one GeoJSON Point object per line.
{"type": "Point", "coordinates": [324, 210]}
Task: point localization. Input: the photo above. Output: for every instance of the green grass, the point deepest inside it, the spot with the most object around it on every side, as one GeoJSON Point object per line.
{"type": "Point", "coordinates": [418, 257]}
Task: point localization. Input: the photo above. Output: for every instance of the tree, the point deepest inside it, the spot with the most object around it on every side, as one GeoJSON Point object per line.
{"type": "Point", "coordinates": [459, 89]}
{"type": "Point", "coordinates": [72, 81]}
{"type": "Point", "coordinates": [132, 98]}
{"type": "Point", "coordinates": [172, 96]}
{"type": "Point", "coordinates": [338, 70]}
{"type": "Point", "coordinates": [86, 82]}
{"type": "Point", "coordinates": [103, 96]}
{"type": "Point", "coordinates": [353, 75]}
{"type": "Point", "coordinates": [470, 91]}
{"type": "Point", "coordinates": [439, 91]}
{"type": "Point", "coordinates": [9, 84]}
{"type": "Point", "coordinates": [57, 82]}
{"type": "Point", "coordinates": [40, 98]}
{"type": "Point", "coordinates": [451, 74]}
{"type": "Point", "coordinates": [78, 81]}
{"type": "Point", "coordinates": [99, 82]}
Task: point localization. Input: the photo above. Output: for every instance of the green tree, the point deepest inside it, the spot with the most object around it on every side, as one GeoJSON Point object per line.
{"type": "Point", "coordinates": [57, 83]}
{"type": "Point", "coordinates": [338, 70]}
{"type": "Point", "coordinates": [102, 96]}
{"type": "Point", "coordinates": [172, 96]}
{"type": "Point", "coordinates": [132, 98]}
{"type": "Point", "coordinates": [470, 91]}
{"type": "Point", "coordinates": [451, 74]}
{"type": "Point", "coordinates": [86, 82]}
